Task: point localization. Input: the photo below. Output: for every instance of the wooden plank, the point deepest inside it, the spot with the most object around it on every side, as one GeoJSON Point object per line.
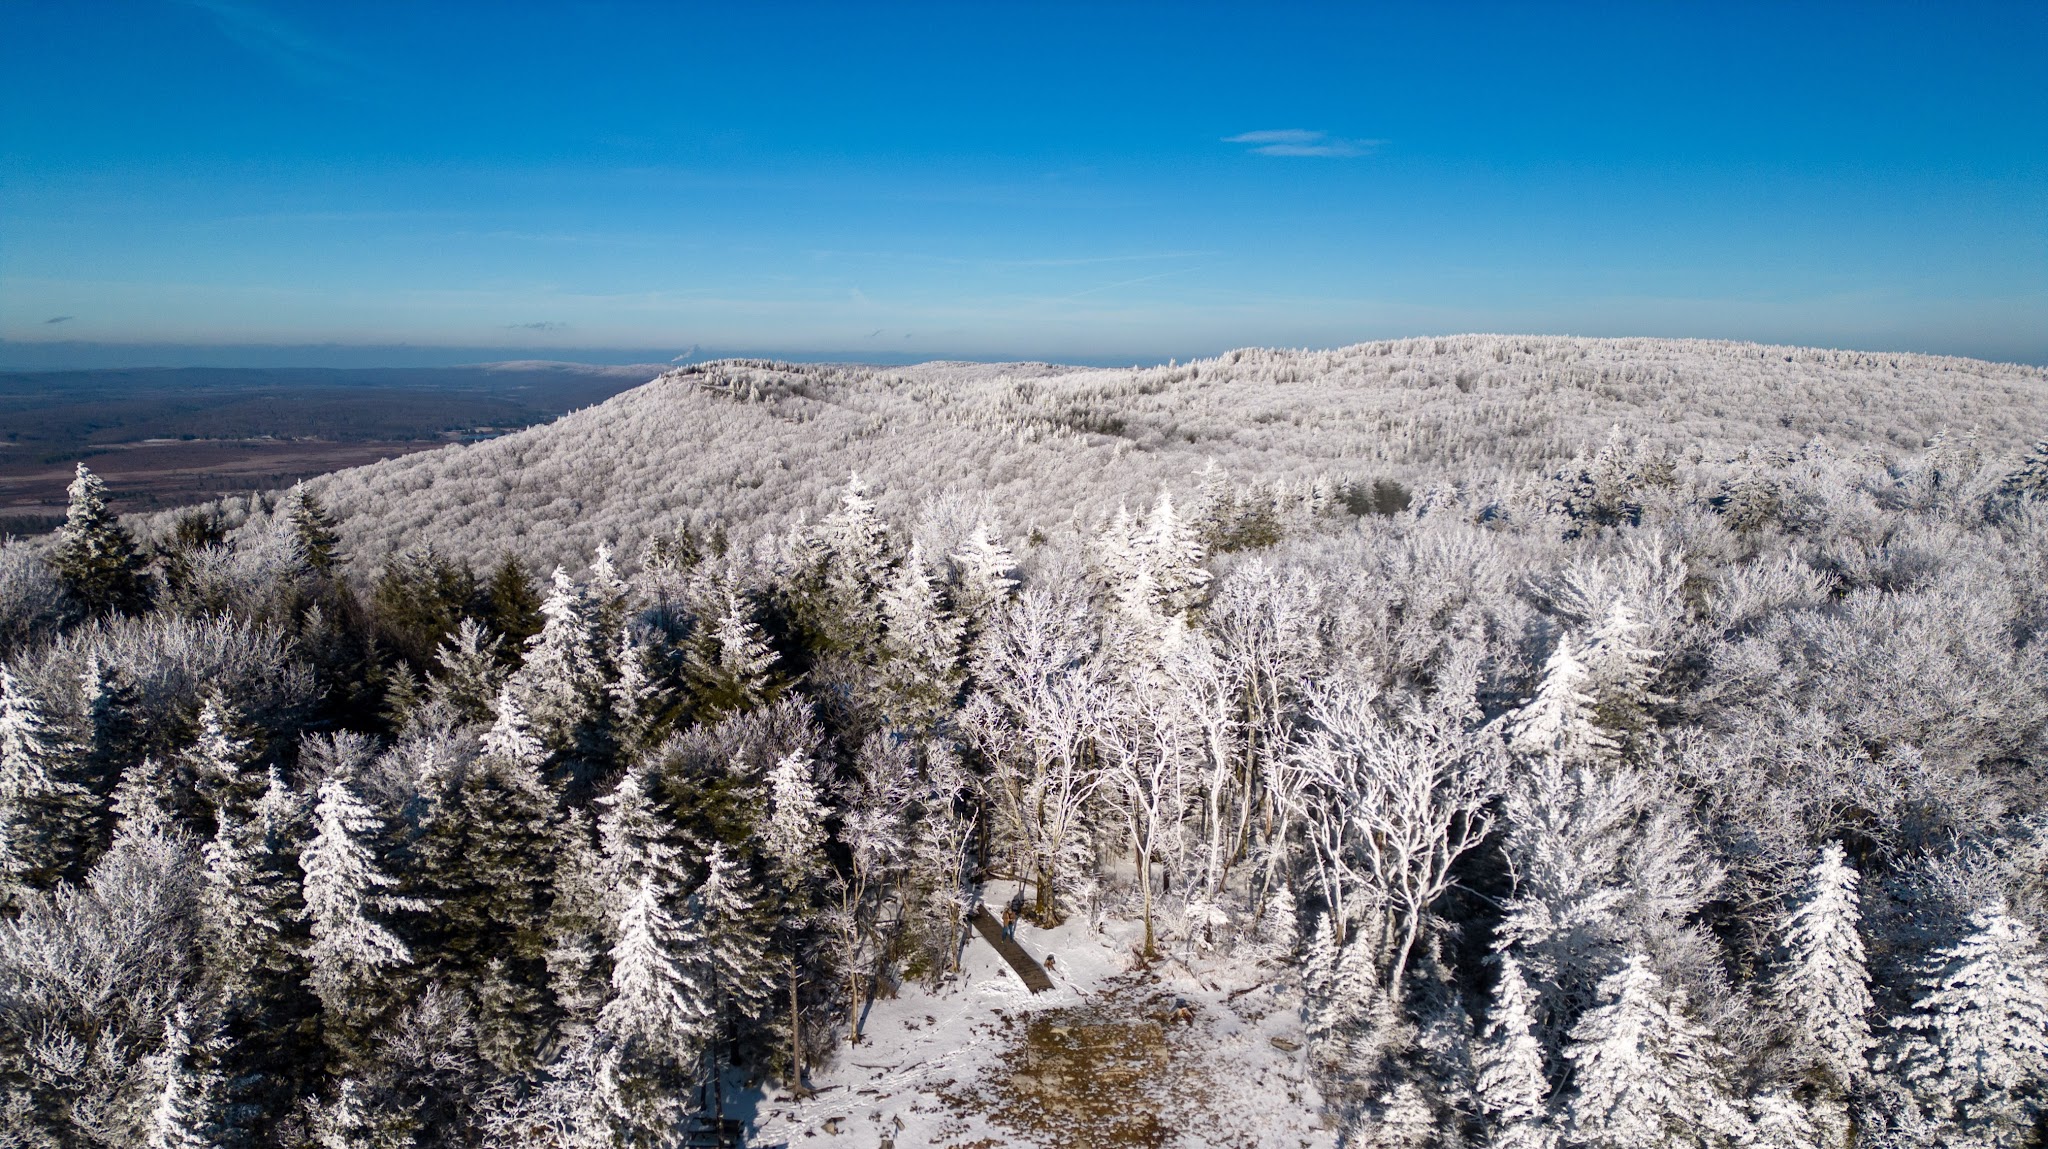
{"type": "Point", "coordinates": [1035, 978]}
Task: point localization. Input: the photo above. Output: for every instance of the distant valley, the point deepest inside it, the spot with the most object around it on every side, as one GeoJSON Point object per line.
{"type": "Point", "coordinates": [165, 438]}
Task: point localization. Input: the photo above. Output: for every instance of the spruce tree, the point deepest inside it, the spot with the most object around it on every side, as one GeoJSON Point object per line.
{"type": "Point", "coordinates": [560, 684]}
{"type": "Point", "coordinates": [220, 765]}
{"type": "Point", "coordinates": [351, 949]}
{"type": "Point", "coordinates": [1643, 1074]}
{"type": "Point", "coordinates": [1171, 551]}
{"type": "Point", "coordinates": [313, 529]}
{"type": "Point", "coordinates": [514, 603]}
{"type": "Point", "coordinates": [487, 851]}
{"type": "Point", "coordinates": [793, 835]}
{"type": "Point", "coordinates": [2030, 479]}
{"type": "Point", "coordinates": [985, 579]}
{"type": "Point", "coordinates": [1619, 673]}
{"type": "Point", "coordinates": [1513, 1090]}
{"type": "Point", "coordinates": [732, 919]}
{"type": "Point", "coordinates": [578, 928]}
{"type": "Point", "coordinates": [654, 1019]}
{"type": "Point", "coordinates": [1976, 1046]}
{"type": "Point", "coordinates": [182, 1117]}
{"type": "Point", "coordinates": [920, 647]}
{"type": "Point", "coordinates": [470, 672]}
{"type": "Point", "coordinates": [96, 558]}
{"type": "Point", "coordinates": [1824, 988]}
{"type": "Point", "coordinates": [729, 664]}
{"type": "Point", "coordinates": [1560, 721]}
{"type": "Point", "coordinates": [39, 807]}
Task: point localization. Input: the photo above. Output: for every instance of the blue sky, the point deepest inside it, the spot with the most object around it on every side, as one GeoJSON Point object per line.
{"type": "Point", "coordinates": [1091, 183]}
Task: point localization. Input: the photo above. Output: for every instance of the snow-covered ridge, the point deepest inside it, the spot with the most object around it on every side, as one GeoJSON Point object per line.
{"type": "Point", "coordinates": [757, 442]}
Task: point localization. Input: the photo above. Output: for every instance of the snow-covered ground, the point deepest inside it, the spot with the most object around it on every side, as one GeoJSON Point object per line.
{"type": "Point", "coordinates": [1116, 1054]}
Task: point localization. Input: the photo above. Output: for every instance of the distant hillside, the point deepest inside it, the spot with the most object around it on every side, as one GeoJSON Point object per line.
{"type": "Point", "coordinates": [754, 443]}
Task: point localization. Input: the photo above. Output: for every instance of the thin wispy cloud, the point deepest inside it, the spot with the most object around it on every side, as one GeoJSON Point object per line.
{"type": "Point", "coordinates": [57, 319]}
{"type": "Point", "coordinates": [285, 46]}
{"type": "Point", "coordinates": [539, 325]}
{"type": "Point", "coordinates": [1302, 142]}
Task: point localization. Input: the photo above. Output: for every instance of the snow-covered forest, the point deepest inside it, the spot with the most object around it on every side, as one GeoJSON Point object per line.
{"type": "Point", "coordinates": [1619, 745]}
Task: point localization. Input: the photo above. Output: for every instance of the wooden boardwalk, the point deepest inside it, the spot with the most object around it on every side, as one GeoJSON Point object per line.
{"type": "Point", "coordinates": [1035, 978]}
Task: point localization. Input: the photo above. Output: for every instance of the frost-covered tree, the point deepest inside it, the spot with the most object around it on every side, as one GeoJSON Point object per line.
{"type": "Point", "coordinates": [486, 851]}
{"type": "Point", "coordinates": [1643, 1074]}
{"type": "Point", "coordinates": [469, 673]}
{"type": "Point", "coordinates": [1512, 1087]}
{"type": "Point", "coordinates": [1391, 808]}
{"type": "Point", "coordinates": [736, 969]}
{"type": "Point", "coordinates": [794, 831]}
{"type": "Point", "coordinates": [96, 557]}
{"type": "Point", "coordinates": [1561, 721]}
{"type": "Point", "coordinates": [220, 764]}
{"type": "Point", "coordinates": [985, 578]}
{"type": "Point", "coordinates": [38, 804]}
{"type": "Point", "coordinates": [560, 684]}
{"type": "Point", "coordinates": [312, 528]}
{"type": "Point", "coordinates": [1619, 674]}
{"type": "Point", "coordinates": [351, 947]}
{"type": "Point", "coordinates": [182, 1117]}
{"type": "Point", "coordinates": [920, 646]}
{"type": "Point", "coordinates": [511, 737]}
{"type": "Point", "coordinates": [1823, 989]}
{"type": "Point", "coordinates": [1975, 1046]}
{"type": "Point", "coordinates": [653, 1022]}
{"type": "Point", "coordinates": [729, 665]}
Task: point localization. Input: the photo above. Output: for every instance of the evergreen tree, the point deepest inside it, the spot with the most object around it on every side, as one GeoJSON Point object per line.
{"type": "Point", "coordinates": [1560, 721]}
{"type": "Point", "coordinates": [96, 557]}
{"type": "Point", "coordinates": [608, 592]}
{"type": "Point", "coordinates": [733, 923]}
{"type": "Point", "coordinates": [1976, 1049]}
{"type": "Point", "coordinates": [220, 764]}
{"type": "Point", "coordinates": [1171, 551]}
{"type": "Point", "coordinates": [514, 603]}
{"type": "Point", "coordinates": [487, 851]}
{"type": "Point", "coordinates": [794, 833]}
{"type": "Point", "coordinates": [856, 553]}
{"type": "Point", "coordinates": [350, 948]}
{"type": "Point", "coordinates": [181, 1118]}
{"type": "Point", "coordinates": [1619, 673]}
{"type": "Point", "coordinates": [39, 807]}
{"type": "Point", "coordinates": [635, 839]}
{"type": "Point", "coordinates": [251, 896]}
{"type": "Point", "coordinates": [1512, 1087]}
{"type": "Point", "coordinates": [920, 646]}
{"type": "Point", "coordinates": [1824, 988]}
{"type": "Point", "coordinates": [986, 578]}
{"type": "Point", "coordinates": [103, 745]}
{"type": "Point", "coordinates": [471, 673]}
{"type": "Point", "coordinates": [511, 736]}
{"type": "Point", "coordinates": [561, 682]}
{"type": "Point", "coordinates": [2030, 479]}
{"type": "Point", "coordinates": [729, 664]}
{"type": "Point", "coordinates": [635, 698]}
{"type": "Point", "coordinates": [654, 1020]}
{"type": "Point", "coordinates": [313, 529]}
{"type": "Point", "coordinates": [578, 925]}
{"type": "Point", "coordinates": [1643, 1074]}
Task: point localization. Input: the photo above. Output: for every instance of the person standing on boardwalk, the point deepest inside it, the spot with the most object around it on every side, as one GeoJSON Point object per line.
{"type": "Point", "coordinates": [1009, 923]}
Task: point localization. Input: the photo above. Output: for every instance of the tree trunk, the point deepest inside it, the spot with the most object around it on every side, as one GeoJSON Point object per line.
{"type": "Point", "coordinates": [796, 1035]}
{"type": "Point", "coordinates": [853, 996]}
